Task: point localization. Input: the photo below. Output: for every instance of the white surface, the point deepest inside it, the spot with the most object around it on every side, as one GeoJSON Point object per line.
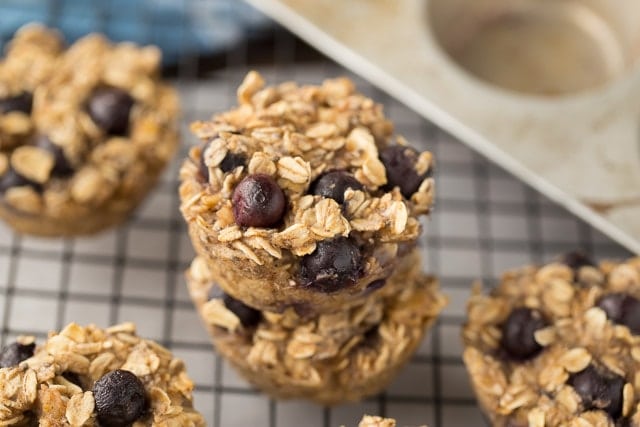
{"type": "Point", "coordinates": [573, 149]}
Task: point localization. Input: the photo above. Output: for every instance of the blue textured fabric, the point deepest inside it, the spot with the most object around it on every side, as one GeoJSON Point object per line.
{"type": "Point", "coordinates": [176, 26]}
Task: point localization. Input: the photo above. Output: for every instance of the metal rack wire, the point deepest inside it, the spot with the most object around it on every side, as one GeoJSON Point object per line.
{"type": "Point", "coordinates": [485, 221]}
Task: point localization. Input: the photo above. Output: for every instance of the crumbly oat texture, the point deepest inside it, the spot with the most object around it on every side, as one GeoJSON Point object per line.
{"type": "Point", "coordinates": [294, 135]}
{"type": "Point", "coordinates": [578, 365]}
{"type": "Point", "coordinates": [330, 358]}
{"type": "Point", "coordinates": [54, 386]}
{"type": "Point", "coordinates": [101, 127]}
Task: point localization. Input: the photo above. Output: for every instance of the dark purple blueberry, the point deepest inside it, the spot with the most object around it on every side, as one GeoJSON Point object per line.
{"type": "Point", "coordinates": [375, 285]}
{"type": "Point", "coordinates": [232, 161]}
{"type": "Point", "coordinates": [333, 185]}
{"type": "Point", "coordinates": [72, 377]}
{"type": "Point", "coordinates": [598, 390]}
{"type": "Point", "coordinates": [334, 265]}
{"type": "Point", "coordinates": [15, 353]}
{"type": "Point", "coordinates": [21, 103]}
{"type": "Point", "coordinates": [622, 309]}
{"type": "Point", "coordinates": [61, 166]}
{"type": "Point", "coordinates": [400, 162]}
{"type": "Point", "coordinates": [258, 201]}
{"type": "Point", "coordinates": [228, 164]}
{"type": "Point", "coordinates": [249, 317]}
{"type": "Point", "coordinates": [518, 331]}
{"type": "Point", "coordinates": [120, 399]}
{"type": "Point", "coordinates": [12, 179]}
{"type": "Point", "coordinates": [109, 108]}
{"type": "Point", "coordinates": [576, 260]}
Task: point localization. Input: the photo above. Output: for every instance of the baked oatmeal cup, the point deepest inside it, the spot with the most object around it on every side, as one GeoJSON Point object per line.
{"type": "Point", "coordinates": [330, 358]}
{"type": "Point", "coordinates": [104, 127]}
{"type": "Point", "coordinates": [299, 196]}
{"type": "Point", "coordinates": [87, 376]}
{"type": "Point", "coordinates": [558, 345]}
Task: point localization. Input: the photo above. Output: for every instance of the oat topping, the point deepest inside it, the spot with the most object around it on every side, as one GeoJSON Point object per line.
{"type": "Point", "coordinates": [333, 357]}
{"type": "Point", "coordinates": [372, 421]}
{"type": "Point", "coordinates": [85, 374]}
{"type": "Point", "coordinates": [299, 136]}
{"type": "Point", "coordinates": [98, 130]}
{"type": "Point", "coordinates": [575, 326]}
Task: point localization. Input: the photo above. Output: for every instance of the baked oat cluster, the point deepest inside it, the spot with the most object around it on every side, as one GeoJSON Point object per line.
{"type": "Point", "coordinates": [373, 421]}
{"type": "Point", "coordinates": [330, 358]}
{"type": "Point", "coordinates": [558, 345]}
{"type": "Point", "coordinates": [86, 376]}
{"type": "Point", "coordinates": [84, 132]}
{"type": "Point", "coordinates": [304, 214]}
{"type": "Point", "coordinates": [301, 192]}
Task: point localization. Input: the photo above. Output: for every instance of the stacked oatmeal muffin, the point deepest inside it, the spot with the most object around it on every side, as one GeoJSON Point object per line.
{"type": "Point", "coordinates": [304, 214]}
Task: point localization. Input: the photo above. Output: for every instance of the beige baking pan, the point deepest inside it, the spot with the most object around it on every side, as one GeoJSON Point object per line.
{"type": "Point", "coordinates": [548, 89]}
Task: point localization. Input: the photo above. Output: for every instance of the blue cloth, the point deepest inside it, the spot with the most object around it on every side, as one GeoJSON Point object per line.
{"type": "Point", "coordinates": [178, 27]}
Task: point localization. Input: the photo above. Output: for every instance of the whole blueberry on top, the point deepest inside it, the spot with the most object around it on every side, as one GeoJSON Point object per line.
{"type": "Point", "coordinates": [599, 390]}
{"type": "Point", "coordinates": [12, 179]}
{"type": "Point", "coordinates": [400, 162]}
{"type": "Point", "coordinates": [61, 166]}
{"type": "Point", "coordinates": [333, 185]}
{"type": "Point", "coordinates": [15, 353]}
{"type": "Point", "coordinates": [120, 399]}
{"type": "Point", "coordinates": [622, 309]}
{"type": "Point", "coordinates": [249, 317]}
{"type": "Point", "coordinates": [334, 265]}
{"type": "Point", "coordinates": [109, 108]}
{"type": "Point", "coordinates": [21, 103]}
{"type": "Point", "coordinates": [258, 201]}
{"type": "Point", "coordinates": [518, 333]}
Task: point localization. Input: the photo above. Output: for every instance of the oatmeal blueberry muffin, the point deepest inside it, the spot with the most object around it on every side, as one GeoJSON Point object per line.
{"type": "Point", "coordinates": [558, 345]}
{"type": "Point", "coordinates": [103, 128]}
{"type": "Point", "coordinates": [86, 376]}
{"type": "Point", "coordinates": [300, 196]}
{"type": "Point", "coordinates": [330, 358]}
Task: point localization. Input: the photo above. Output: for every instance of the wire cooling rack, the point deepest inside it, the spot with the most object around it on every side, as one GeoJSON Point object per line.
{"type": "Point", "coordinates": [485, 221]}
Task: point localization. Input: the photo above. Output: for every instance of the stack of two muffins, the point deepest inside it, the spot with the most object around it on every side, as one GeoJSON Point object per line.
{"type": "Point", "coordinates": [304, 216]}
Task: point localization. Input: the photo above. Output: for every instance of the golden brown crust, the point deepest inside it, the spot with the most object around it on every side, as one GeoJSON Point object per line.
{"type": "Point", "coordinates": [535, 392]}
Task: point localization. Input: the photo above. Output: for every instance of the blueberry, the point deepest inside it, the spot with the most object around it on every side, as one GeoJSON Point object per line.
{"type": "Point", "coordinates": [622, 309]}
{"type": "Point", "coordinates": [120, 399]}
{"type": "Point", "coordinates": [61, 166]}
{"type": "Point", "coordinates": [400, 162]}
{"type": "Point", "coordinates": [518, 331]}
{"type": "Point", "coordinates": [21, 103]}
{"type": "Point", "coordinates": [12, 179]}
{"type": "Point", "coordinates": [599, 390]}
{"type": "Point", "coordinates": [15, 353]}
{"type": "Point", "coordinates": [228, 164]}
{"type": "Point", "coordinates": [249, 317]}
{"type": "Point", "coordinates": [258, 201]}
{"type": "Point", "coordinates": [576, 260]}
{"type": "Point", "coordinates": [333, 185]}
{"type": "Point", "coordinates": [109, 108]}
{"type": "Point", "coordinates": [375, 285]}
{"type": "Point", "coordinates": [334, 265]}
{"type": "Point", "coordinates": [72, 377]}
